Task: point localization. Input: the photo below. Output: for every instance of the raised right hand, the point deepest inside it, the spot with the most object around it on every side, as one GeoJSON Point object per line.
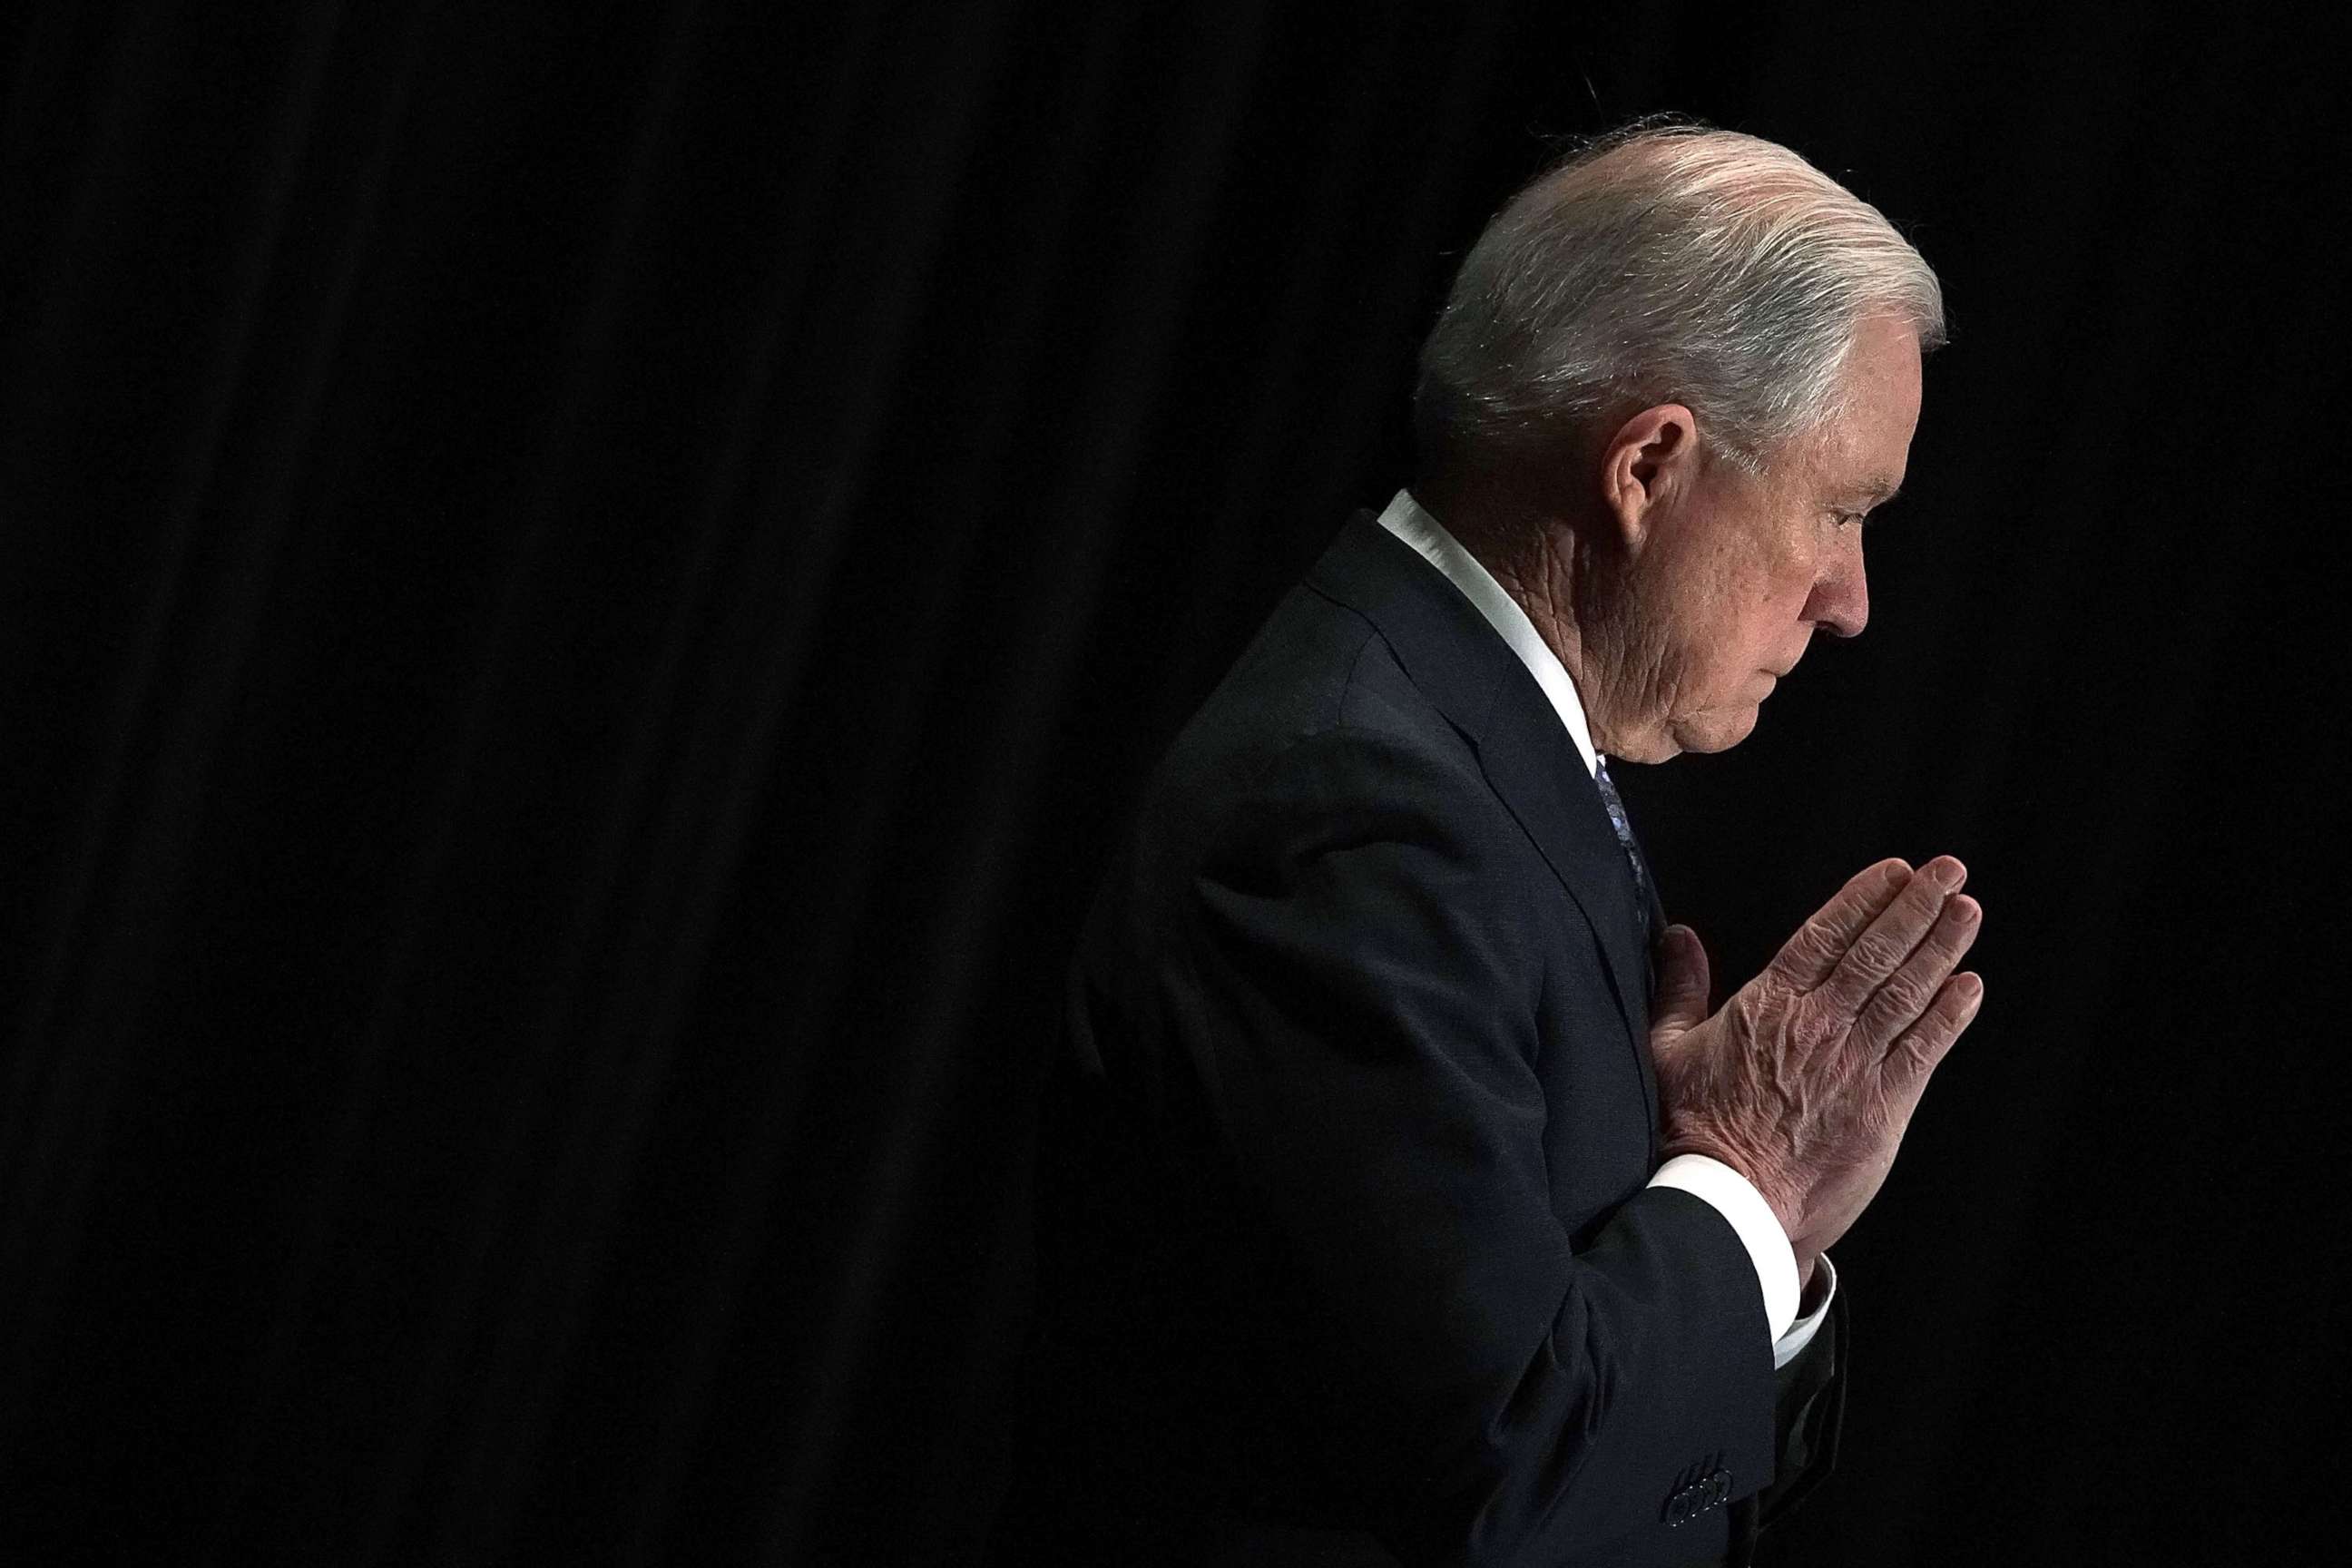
{"type": "Point", "coordinates": [1805, 1080]}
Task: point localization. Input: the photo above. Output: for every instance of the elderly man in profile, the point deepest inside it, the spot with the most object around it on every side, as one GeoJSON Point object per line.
{"type": "Point", "coordinates": [1400, 1199]}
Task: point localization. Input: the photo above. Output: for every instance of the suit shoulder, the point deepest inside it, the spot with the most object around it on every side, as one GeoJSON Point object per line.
{"type": "Point", "coordinates": [1316, 739]}
{"type": "Point", "coordinates": [1317, 671]}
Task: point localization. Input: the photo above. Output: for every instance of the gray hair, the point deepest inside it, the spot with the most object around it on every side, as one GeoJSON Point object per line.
{"type": "Point", "coordinates": [1663, 261]}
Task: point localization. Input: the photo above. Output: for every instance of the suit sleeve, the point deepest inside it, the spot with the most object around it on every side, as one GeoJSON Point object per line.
{"type": "Point", "coordinates": [1367, 974]}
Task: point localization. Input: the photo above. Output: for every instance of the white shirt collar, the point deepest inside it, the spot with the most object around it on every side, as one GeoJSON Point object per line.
{"type": "Point", "coordinates": [1406, 520]}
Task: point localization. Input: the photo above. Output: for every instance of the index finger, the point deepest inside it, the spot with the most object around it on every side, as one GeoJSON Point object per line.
{"type": "Point", "coordinates": [1807, 958]}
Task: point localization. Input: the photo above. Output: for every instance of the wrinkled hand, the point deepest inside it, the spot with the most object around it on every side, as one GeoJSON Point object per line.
{"type": "Point", "coordinates": [1805, 1079]}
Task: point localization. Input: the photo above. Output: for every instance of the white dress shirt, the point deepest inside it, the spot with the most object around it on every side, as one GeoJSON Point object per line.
{"type": "Point", "coordinates": [1731, 1193]}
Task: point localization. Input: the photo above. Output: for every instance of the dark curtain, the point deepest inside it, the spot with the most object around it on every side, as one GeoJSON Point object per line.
{"type": "Point", "coordinates": [586, 587]}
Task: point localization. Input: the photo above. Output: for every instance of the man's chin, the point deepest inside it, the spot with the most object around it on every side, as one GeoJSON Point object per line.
{"type": "Point", "coordinates": [1716, 729]}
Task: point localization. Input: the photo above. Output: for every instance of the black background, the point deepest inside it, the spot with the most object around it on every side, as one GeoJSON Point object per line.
{"type": "Point", "coordinates": [586, 586]}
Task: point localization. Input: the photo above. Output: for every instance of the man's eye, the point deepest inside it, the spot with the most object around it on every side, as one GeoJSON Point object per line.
{"type": "Point", "coordinates": [1850, 516]}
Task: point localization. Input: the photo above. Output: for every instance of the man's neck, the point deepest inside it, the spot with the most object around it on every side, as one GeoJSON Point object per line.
{"type": "Point", "coordinates": [1536, 573]}
{"type": "Point", "coordinates": [1534, 560]}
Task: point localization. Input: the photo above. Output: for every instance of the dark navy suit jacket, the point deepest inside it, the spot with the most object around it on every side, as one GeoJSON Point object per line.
{"type": "Point", "coordinates": [1345, 1250]}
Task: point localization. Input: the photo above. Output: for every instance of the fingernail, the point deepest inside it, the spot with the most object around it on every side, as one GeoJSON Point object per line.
{"type": "Point", "coordinates": [1947, 874]}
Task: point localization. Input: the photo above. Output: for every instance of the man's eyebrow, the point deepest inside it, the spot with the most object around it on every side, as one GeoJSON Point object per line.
{"type": "Point", "coordinates": [1878, 491]}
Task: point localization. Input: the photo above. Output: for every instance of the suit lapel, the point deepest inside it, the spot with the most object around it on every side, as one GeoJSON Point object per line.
{"type": "Point", "coordinates": [1554, 798]}
{"type": "Point", "coordinates": [1466, 670]}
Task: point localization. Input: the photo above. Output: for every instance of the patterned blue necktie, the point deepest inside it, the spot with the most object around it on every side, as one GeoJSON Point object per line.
{"type": "Point", "coordinates": [1625, 836]}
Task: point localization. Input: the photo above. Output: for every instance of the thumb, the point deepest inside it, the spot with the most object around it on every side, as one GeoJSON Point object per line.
{"type": "Point", "coordinates": [1682, 986]}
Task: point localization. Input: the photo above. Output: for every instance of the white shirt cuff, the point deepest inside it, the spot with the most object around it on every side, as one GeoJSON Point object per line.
{"type": "Point", "coordinates": [1792, 1345]}
{"type": "Point", "coordinates": [1737, 1199]}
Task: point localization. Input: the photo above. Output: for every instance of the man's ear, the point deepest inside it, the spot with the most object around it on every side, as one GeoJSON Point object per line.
{"type": "Point", "coordinates": [1649, 465]}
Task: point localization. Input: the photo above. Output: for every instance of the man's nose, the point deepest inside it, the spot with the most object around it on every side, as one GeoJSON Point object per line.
{"type": "Point", "coordinates": [1840, 600]}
